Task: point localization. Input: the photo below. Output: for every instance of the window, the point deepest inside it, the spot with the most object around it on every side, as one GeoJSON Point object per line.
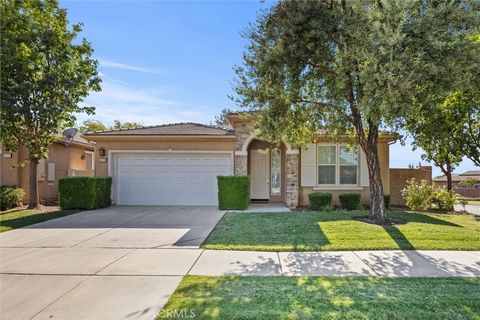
{"type": "Point", "coordinates": [348, 165]}
{"type": "Point", "coordinates": [337, 165]}
{"type": "Point", "coordinates": [276, 172]}
{"type": "Point", "coordinates": [326, 164]}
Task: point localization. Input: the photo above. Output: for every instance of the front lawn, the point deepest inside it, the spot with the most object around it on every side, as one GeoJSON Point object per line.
{"type": "Point", "coordinates": [18, 218]}
{"type": "Point", "coordinates": [244, 297]}
{"type": "Point", "coordinates": [315, 231]}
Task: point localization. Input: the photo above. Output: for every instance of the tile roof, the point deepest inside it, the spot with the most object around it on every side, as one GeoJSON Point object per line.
{"type": "Point", "coordinates": [177, 129]}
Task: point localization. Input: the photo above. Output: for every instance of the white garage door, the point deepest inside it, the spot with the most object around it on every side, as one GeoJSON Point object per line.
{"type": "Point", "coordinates": [169, 179]}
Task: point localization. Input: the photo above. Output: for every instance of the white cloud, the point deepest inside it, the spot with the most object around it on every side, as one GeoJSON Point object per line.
{"type": "Point", "coordinates": [119, 101]}
{"type": "Point", "coordinates": [118, 65]}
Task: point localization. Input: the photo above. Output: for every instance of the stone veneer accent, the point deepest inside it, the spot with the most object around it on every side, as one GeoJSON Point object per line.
{"type": "Point", "coordinates": [292, 168]}
{"type": "Point", "coordinates": [241, 165]}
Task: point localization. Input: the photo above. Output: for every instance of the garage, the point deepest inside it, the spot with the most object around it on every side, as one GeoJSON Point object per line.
{"type": "Point", "coordinates": [169, 179]}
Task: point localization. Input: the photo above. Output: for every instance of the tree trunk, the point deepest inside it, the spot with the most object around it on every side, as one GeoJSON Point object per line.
{"type": "Point", "coordinates": [448, 173]}
{"type": "Point", "coordinates": [377, 202]}
{"type": "Point", "coordinates": [32, 185]}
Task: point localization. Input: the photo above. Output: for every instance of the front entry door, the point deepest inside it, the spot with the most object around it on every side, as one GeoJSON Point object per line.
{"type": "Point", "coordinates": [259, 174]}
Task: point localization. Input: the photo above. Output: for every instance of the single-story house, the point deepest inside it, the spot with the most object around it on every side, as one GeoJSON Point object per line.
{"type": "Point", "coordinates": [73, 157]}
{"type": "Point", "coordinates": [177, 164]}
{"type": "Point", "coordinates": [458, 178]}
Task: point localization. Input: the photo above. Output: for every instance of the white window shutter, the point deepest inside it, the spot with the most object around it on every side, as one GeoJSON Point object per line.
{"type": "Point", "coordinates": [41, 169]}
{"type": "Point", "coordinates": [308, 166]}
{"type": "Point", "coordinates": [51, 171]}
{"type": "Point", "coordinates": [364, 181]}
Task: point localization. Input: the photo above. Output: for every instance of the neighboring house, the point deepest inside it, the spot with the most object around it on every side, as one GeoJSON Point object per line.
{"type": "Point", "coordinates": [65, 158]}
{"type": "Point", "coordinates": [458, 178]}
{"type": "Point", "coordinates": [177, 164]}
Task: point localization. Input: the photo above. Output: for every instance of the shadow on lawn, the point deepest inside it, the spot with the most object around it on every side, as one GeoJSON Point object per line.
{"type": "Point", "coordinates": [34, 217]}
{"type": "Point", "coordinates": [260, 298]}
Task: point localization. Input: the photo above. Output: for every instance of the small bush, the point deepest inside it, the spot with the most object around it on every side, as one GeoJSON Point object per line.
{"type": "Point", "coordinates": [233, 192]}
{"type": "Point", "coordinates": [84, 192]}
{"type": "Point", "coordinates": [386, 199]}
{"type": "Point", "coordinates": [443, 199]}
{"type": "Point", "coordinates": [10, 197]}
{"type": "Point", "coordinates": [417, 196]}
{"type": "Point", "coordinates": [319, 200]}
{"type": "Point", "coordinates": [350, 201]}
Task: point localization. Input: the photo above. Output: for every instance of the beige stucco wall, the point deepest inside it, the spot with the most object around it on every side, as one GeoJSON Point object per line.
{"type": "Point", "coordinates": [399, 177]}
{"type": "Point", "coordinates": [10, 174]}
{"type": "Point", "coordinates": [64, 158]}
{"type": "Point", "coordinates": [205, 144]}
{"type": "Point", "coordinates": [384, 158]}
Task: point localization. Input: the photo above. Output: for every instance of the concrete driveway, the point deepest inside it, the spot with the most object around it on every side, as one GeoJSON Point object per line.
{"type": "Point", "coordinates": [114, 263]}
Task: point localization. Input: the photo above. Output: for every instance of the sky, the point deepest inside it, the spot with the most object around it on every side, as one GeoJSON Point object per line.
{"type": "Point", "coordinates": [172, 61]}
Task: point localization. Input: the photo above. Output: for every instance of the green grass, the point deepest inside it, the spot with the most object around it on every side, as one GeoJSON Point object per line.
{"type": "Point", "coordinates": [317, 231]}
{"type": "Point", "coordinates": [13, 219]}
{"type": "Point", "coordinates": [477, 202]}
{"type": "Point", "coordinates": [246, 297]}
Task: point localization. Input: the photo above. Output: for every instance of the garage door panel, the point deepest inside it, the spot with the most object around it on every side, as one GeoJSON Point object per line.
{"type": "Point", "coordinates": [169, 179]}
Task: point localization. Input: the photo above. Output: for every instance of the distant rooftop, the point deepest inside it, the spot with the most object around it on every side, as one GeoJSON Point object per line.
{"type": "Point", "coordinates": [458, 177]}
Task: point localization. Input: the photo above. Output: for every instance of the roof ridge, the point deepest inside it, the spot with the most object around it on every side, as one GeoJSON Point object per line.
{"type": "Point", "coordinates": [168, 125]}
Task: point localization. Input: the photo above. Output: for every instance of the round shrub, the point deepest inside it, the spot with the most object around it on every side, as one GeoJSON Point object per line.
{"type": "Point", "coordinates": [386, 199]}
{"type": "Point", "coordinates": [443, 199]}
{"type": "Point", "coordinates": [10, 197]}
{"type": "Point", "coordinates": [319, 200]}
{"type": "Point", "coordinates": [350, 201]}
{"type": "Point", "coordinates": [418, 196]}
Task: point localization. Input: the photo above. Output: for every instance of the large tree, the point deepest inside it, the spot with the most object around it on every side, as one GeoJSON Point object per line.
{"type": "Point", "coordinates": [352, 68]}
{"type": "Point", "coordinates": [447, 132]}
{"type": "Point", "coordinates": [45, 74]}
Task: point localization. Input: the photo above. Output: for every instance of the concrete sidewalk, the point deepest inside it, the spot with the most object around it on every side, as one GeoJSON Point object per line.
{"type": "Point", "coordinates": [391, 263]}
{"type": "Point", "coordinates": [112, 283]}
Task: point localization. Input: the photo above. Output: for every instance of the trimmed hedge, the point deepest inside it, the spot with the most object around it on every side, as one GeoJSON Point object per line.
{"type": "Point", "coordinates": [10, 197]}
{"type": "Point", "coordinates": [350, 201]}
{"type": "Point", "coordinates": [319, 200]}
{"type": "Point", "coordinates": [84, 192]}
{"type": "Point", "coordinates": [386, 198]}
{"type": "Point", "coordinates": [233, 192]}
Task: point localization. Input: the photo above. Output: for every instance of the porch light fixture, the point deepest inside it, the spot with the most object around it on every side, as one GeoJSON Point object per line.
{"type": "Point", "coordinates": [101, 152]}
{"type": "Point", "coordinates": [83, 156]}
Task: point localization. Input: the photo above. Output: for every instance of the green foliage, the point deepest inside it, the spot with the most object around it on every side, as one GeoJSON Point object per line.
{"type": "Point", "coordinates": [118, 125]}
{"type": "Point", "coordinates": [319, 200]}
{"type": "Point", "coordinates": [386, 199]}
{"type": "Point", "coordinates": [461, 113]}
{"type": "Point", "coordinates": [417, 196]}
{"type": "Point", "coordinates": [350, 201]}
{"type": "Point", "coordinates": [93, 125]}
{"type": "Point", "coordinates": [45, 75]}
{"type": "Point", "coordinates": [354, 67]}
{"type": "Point", "coordinates": [463, 202]}
{"type": "Point", "coordinates": [421, 196]}
{"type": "Point", "coordinates": [84, 192]}
{"type": "Point", "coordinates": [233, 192]}
{"type": "Point", "coordinates": [470, 182]}
{"type": "Point", "coordinates": [443, 199]}
{"type": "Point", "coordinates": [221, 120]}
{"type": "Point", "coordinates": [10, 197]}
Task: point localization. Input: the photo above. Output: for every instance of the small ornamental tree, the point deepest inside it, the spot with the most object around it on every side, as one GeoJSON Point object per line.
{"type": "Point", "coordinates": [45, 74]}
{"type": "Point", "coordinates": [351, 68]}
